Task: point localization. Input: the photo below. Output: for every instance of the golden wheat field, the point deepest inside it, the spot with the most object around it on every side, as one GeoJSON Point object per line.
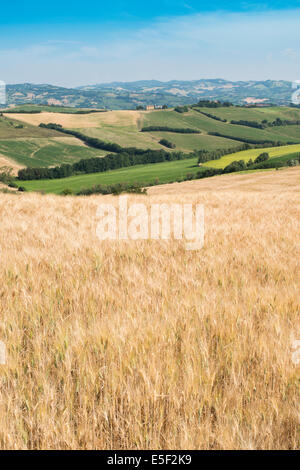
{"type": "Point", "coordinates": [142, 344]}
{"type": "Point", "coordinates": [116, 118]}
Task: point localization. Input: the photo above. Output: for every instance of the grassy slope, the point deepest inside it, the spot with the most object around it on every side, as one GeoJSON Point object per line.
{"type": "Point", "coordinates": [35, 146]}
{"type": "Point", "coordinates": [123, 127]}
{"type": "Point", "coordinates": [165, 172]}
{"type": "Point", "coordinates": [9, 130]}
{"type": "Point", "coordinates": [188, 143]}
{"type": "Point", "coordinates": [254, 114]}
{"type": "Point", "coordinates": [252, 153]}
{"type": "Point", "coordinates": [126, 136]}
{"type": "Point", "coordinates": [130, 137]}
{"type": "Point", "coordinates": [46, 152]}
{"type": "Point", "coordinates": [196, 120]}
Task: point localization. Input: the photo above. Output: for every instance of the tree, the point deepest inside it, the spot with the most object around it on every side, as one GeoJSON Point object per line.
{"type": "Point", "coordinates": [262, 157]}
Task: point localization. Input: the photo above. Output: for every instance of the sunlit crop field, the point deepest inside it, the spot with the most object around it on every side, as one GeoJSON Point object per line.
{"type": "Point", "coordinates": [253, 153]}
{"type": "Point", "coordinates": [142, 344]}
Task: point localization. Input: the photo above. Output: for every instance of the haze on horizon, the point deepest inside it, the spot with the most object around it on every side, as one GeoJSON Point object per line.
{"type": "Point", "coordinates": [167, 40]}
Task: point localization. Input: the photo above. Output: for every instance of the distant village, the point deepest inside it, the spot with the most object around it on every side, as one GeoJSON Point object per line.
{"type": "Point", "coordinates": [151, 107]}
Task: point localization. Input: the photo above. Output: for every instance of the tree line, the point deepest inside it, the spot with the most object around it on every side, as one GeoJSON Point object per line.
{"type": "Point", "coordinates": [181, 109]}
{"type": "Point", "coordinates": [212, 116]}
{"type": "Point", "coordinates": [248, 140]}
{"type": "Point", "coordinates": [167, 143]}
{"type": "Point", "coordinates": [255, 124]}
{"type": "Point", "coordinates": [264, 124]}
{"type": "Point", "coordinates": [213, 104]}
{"type": "Point", "coordinates": [206, 156]}
{"type": "Point", "coordinates": [116, 189]}
{"type": "Point", "coordinates": [99, 165]}
{"type": "Point", "coordinates": [184, 130]}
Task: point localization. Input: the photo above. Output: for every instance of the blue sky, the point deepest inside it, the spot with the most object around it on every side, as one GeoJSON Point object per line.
{"type": "Point", "coordinates": [73, 43]}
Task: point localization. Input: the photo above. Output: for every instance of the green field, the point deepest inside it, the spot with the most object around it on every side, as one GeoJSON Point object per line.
{"type": "Point", "coordinates": [130, 137]}
{"type": "Point", "coordinates": [129, 134]}
{"type": "Point", "coordinates": [254, 114]}
{"type": "Point", "coordinates": [126, 136]}
{"type": "Point", "coordinates": [252, 153]}
{"type": "Point", "coordinates": [124, 128]}
{"type": "Point", "coordinates": [189, 143]}
{"type": "Point", "coordinates": [194, 119]}
{"type": "Point", "coordinates": [165, 172]}
{"type": "Point", "coordinates": [11, 129]}
{"type": "Point", "coordinates": [46, 152]}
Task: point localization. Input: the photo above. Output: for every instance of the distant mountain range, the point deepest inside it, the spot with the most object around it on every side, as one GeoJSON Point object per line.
{"type": "Point", "coordinates": [129, 95]}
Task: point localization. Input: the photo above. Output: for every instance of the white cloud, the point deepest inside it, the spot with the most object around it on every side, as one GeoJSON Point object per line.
{"type": "Point", "coordinates": [290, 53]}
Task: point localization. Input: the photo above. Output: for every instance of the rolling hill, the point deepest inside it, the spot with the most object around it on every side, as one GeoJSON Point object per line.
{"type": "Point", "coordinates": [123, 127]}
{"type": "Point", "coordinates": [25, 143]}
{"type": "Point", "coordinates": [128, 95]}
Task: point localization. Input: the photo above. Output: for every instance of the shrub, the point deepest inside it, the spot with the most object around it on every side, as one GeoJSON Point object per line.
{"type": "Point", "coordinates": [181, 109]}
{"type": "Point", "coordinates": [67, 192]}
{"type": "Point", "coordinates": [12, 184]}
{"type": "Point", "coordinates": [213, 104]}
{"type": "Point", "coordinates": [235, 166]}
{"type": "Point", "coordinates": [179, 130]}
{"type": "Point", "coordinates": [254, 124]}
{"type": "Point", "coordinates": [263, 157]}
{"type": "Point", "coordinates": [167, 143]}
{"type": "Point", "coordinates": [116, 189]}
{"type": "Point", "coordinates": [6, 175]}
